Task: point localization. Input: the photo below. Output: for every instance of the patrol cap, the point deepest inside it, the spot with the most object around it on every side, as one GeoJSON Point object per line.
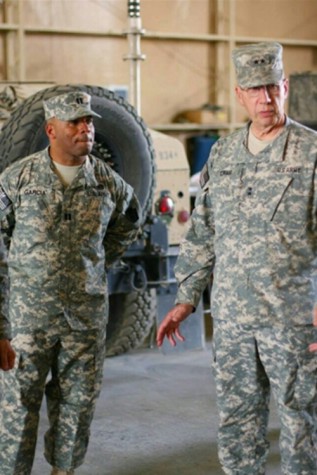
{"type": "Point", "coordinates": [69, 106]}
{"type": "Point", "coordinates": [258, 64]}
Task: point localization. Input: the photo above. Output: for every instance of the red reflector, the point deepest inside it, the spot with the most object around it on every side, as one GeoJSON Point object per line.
{"type": "Point", "coordinates": [183, 216]}
{"type": "Point", "coordinates": [165, 205]}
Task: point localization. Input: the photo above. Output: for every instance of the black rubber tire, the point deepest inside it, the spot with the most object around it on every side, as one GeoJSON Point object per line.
{"type": "Point", "coordinates": [132, 317]}
{"type": "Point", "coordinates": [121, 139]}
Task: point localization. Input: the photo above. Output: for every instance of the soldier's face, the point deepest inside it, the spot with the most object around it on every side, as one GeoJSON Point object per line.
{"type": "Point", "coordinates": [264, 104]}
{"type": "Point", "coordinates": [74, 138]}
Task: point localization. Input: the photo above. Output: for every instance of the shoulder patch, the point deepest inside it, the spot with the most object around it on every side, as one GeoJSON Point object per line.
{"type": "Point", "coordinates": [4, 199]}
{"type": "Point", "coordinates": [204, 176]}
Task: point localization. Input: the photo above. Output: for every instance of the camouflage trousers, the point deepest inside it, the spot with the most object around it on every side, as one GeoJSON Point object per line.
{"type": "Point", "coordinates": [74, 362]}
{"type": "Point", "coordinates": [249, 364]}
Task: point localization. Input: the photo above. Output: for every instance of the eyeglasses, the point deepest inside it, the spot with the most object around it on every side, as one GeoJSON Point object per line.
{"type": "Point", "coordinates": [270, 89]}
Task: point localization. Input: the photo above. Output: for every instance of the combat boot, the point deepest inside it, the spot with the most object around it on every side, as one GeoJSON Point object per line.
{"type": "Point", "coordinates": [57, 471]}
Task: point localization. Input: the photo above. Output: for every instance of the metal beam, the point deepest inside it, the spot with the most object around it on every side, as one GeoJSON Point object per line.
{"type": "Point", "coordinates": [156, 35]}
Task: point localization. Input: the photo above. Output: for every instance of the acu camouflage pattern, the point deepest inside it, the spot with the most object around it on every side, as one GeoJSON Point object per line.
{"type": "Point", "coordinates": [59, 243]}
{"type": "Point", "coordinates": [241, 377]}
{"type": "Point", "coordinates": [70, 407]}
{"type": "Point", "coordinates": [69, 106]}
{"type": "Point", "coordinates": [258, 64]}
{"type": "Point", "coordinates": [255, 227]}
{"type": "Point", "coordinates": [256, 215]}
{"type": "Point", "coordinates": [61, 240]}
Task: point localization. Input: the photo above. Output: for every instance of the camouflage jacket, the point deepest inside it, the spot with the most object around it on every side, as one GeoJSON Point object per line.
{"type": "Point", "coordinates": [254, 226]}
{"type": "Point", "coordinates": [57, 242]}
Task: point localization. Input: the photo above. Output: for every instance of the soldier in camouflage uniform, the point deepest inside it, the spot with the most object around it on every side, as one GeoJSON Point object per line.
{"type": "Point", "coordinates": [255, 226]}
{"type": "Point", "coordinates": [65, 217]}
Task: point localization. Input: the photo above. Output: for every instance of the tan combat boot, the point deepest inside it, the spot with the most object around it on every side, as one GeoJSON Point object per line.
{"type": "Point", "coordinates": [57, 471]}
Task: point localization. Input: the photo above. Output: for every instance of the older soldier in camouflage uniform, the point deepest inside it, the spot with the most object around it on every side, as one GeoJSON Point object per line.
{"type": "Point", "coordinates": [65, 217]}
{"type": "Point", "coordinates": [255, 224]}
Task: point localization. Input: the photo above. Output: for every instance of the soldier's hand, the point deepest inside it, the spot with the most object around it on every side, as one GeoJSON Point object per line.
{"type": "Point", "coordinates": [313, 346]}
{"type": "Point", "coordinates": [7, 355]}
{"type": "Point", "coordinates": [169, 327]}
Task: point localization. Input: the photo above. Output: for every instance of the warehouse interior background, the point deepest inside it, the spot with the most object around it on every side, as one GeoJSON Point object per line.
{"type": "Point", "coordinates": [187, 77]}
{"type": "Point", "coordinates": [157, 412]}
{"type": "Point", "coordinates": [187, 46]}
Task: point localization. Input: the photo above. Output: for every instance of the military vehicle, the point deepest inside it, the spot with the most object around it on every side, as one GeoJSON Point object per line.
{"type": "Point", "coordinates": [142, 283]}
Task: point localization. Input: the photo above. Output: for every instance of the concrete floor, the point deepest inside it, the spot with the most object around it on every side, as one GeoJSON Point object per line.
{"type": "Point", "coordinates": [156, 416]}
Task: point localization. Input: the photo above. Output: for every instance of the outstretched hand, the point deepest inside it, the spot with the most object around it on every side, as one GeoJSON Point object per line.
{"type": "Point", "coordinates": [7, 355]}
{"type": "Point", "coordinates": [169, 327]}
{"type": "Point", "coordinates": [313, 346]}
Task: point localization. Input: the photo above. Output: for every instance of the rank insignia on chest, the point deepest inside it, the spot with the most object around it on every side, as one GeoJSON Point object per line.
{"type": "Point", "coordinates": [4, 200]}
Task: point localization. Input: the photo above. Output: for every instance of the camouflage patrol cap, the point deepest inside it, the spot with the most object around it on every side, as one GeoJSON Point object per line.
{"type": "Point", "coordinates": [258, 64]}
{"type": "Point", "coordinates": [69, 106]}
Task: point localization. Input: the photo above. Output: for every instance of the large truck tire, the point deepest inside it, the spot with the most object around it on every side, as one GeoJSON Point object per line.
{"type": "Point", "coordinates": [133, 319]}
{"type": "Point", "coordinates": [123, 141]}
